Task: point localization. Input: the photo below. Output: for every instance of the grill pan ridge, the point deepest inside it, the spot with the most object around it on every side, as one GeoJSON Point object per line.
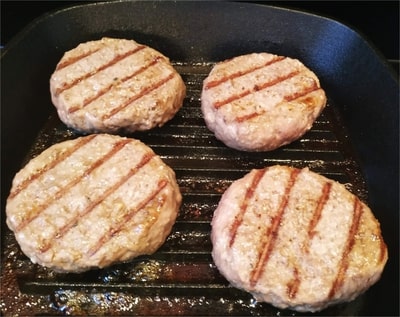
{"type": "Point", "coordinates": [182, 270]}
{"type": "Point", "coordinates": [181, 278]}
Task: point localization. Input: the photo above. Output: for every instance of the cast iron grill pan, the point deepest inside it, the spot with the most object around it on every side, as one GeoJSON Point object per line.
{"type": "Point", "coordinates": [181, 278]}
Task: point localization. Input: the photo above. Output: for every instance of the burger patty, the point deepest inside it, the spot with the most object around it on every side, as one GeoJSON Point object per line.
{"type": "Point", "coordinates": [112, 85]}
{"type": "Point", "coordinates": [261, 101]}
{"type": "Point", "coordinates": [91, 202]}
{"type": "Point", "coordinates": [296, 239]}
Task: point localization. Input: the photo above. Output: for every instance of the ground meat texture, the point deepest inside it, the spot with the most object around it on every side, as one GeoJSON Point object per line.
{"type": "Point", "coordinates": [92, 202]}
{"type": "Point", "coordinates": [261, 101]}
{"type": "Point", "coordinates": [115, 85]}
{"type": "Point", "coordinates": [296, 239]}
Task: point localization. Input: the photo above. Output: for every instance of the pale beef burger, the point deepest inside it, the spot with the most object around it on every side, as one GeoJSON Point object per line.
{"type": "Point", "coordinates": [296, 239]}
{"type": "Point", "coordinates": [91, 202]}
{"type": "Point", "coordinates": [113, 85]}
{"type": "Point", "coordinates": [261, 101]}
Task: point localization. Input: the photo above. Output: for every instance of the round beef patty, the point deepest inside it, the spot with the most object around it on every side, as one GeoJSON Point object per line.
{"type": "Point", "coordinates": [91, 202]}
{"type": "Point", "coordinates": [112, 85]}
{"type": "Point", "coordinates": [296, 239]}
{"type": "Point", "coordinates": [261, 101]}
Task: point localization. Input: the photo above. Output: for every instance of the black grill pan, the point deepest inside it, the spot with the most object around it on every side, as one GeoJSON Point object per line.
{"type": "Point", "coordinates": [354, 141]}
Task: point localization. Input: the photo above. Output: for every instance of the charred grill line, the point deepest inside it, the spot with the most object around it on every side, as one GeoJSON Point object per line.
{"type": "Point", "coordinates": [118, 146]}
{"type": "Point", "coordinates": [108, 88]}
{"type": "Point", "coordinates": [289, 98]}
{"type": "Point", "coordinates": [317, 213]}
{"type": "Point", "coordinates": [302, 93]}
{"type": "Point", "coordinates": [146, 90]}
{"type": "Point", "coordinates": [145, 159]}
{"type": "Point", "coordinates": [128, 216]}
{"type": "Point", "coordinates": [268, 243]}
{"type": "Point", "coordinates": [344, 261]}
{"type": "Point", "coordinates": [116, 59]}
{"type": "Point", "coordinates": [249, 194]}
{"type": "Point", "coordinates": [256, 88]}
{"type": "Point", "coordinates": [293, 285]}
{"type": "Point", "coordinates": [62, 156]}
{"type": "Point", "coordinates": [239, 73]}
{"type": "Point", "coordinates": [75, 59]}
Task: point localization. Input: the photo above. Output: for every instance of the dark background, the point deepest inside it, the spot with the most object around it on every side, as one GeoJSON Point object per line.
{"type": "Point", "coordinates": [377, 21]}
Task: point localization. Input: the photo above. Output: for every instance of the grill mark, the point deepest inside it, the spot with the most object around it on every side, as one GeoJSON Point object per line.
{"type": "Point", "coordinates": [255, 88]}
{"type": "Point", "coordinates": [161, 201]}
{"type": "Point", "coordinates": [75, 59]}
{"type": "Point", "coordinates": [240, 73]}
{"type": "Point", "coordinates": [268, 242]}
{"type": "Point", "coordinates": [127, 217]}
{"type": "Point", "coordinates": [109, 87]}
{"type": "Point", "coordinates": [318, 212]}
{"type": "Point", "coordinates": [293, 286]}
{"type": "Point", "coordinates": [302, 93]}
{"type": "Point", "coordinates": [243, 207]}
{"type": "Point", "coordinates": [344, 261]}
{"type": "Point", "coordinates": [289, 98]}
{"type": "Point", "coordinates": [146, 90]}
{"type": "Point", "coordinates": [115, 60]}
{"type": "Point", "coordinates": [73, 222]}
{"type": "Point", "coordinates": [248, 116]}
{"type": "Point", "coordinates": [60, 157]}
{"type": "Point", "coordinates": [39, 209]}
